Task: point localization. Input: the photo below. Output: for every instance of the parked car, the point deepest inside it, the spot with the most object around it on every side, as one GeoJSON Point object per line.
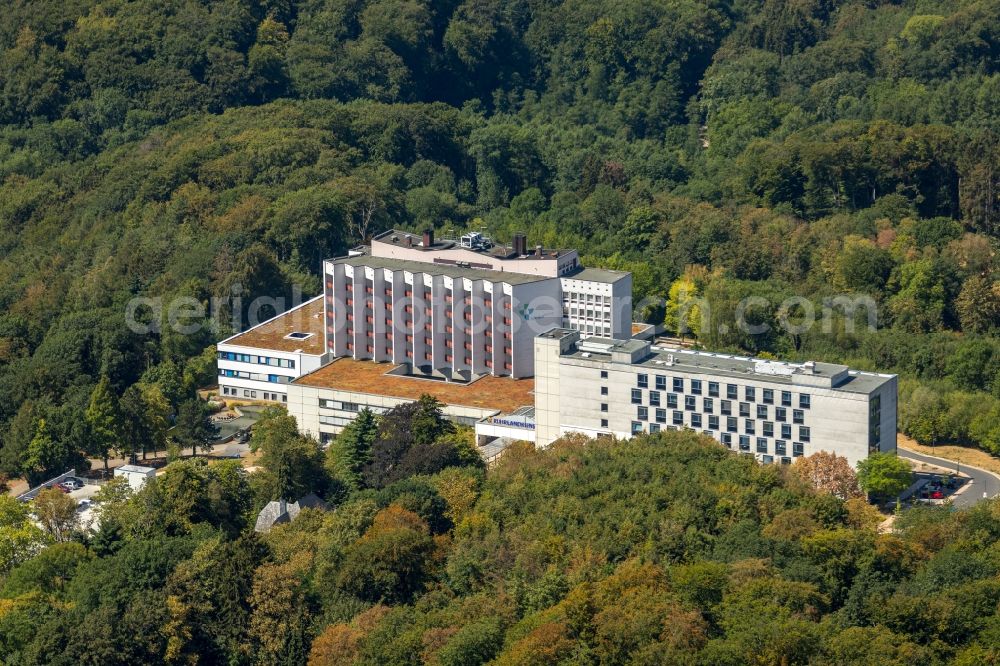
{"type": "Point", "coordinates": [83, 505]}
{"type": "Point", "coordinates": [61, 488]}
{"type": "Point", "coordinates": [73, 483]}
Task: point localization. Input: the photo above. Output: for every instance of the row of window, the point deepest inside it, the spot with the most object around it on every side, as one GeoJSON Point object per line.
{"type": "Point", "coordinates": [708, 405]}
{"type": "Point", "coordinates": [875, 423]}
{"type": "Point", "coordinates": [696, 420]}
{"type": "Point", "coordinates": [761, 445]}
{"type": "Point", "coordinates": [340, 420]}
{"type": "Point", "coordinates": [260, 360]}
{"type": "Point", "coordinates": [732, 390]}
{"type": "Point", "coordinates": [573, 297]}
{"type": "Point", "coordinates": [252, 394]}
{"type": "Point", "coordinates": [592, 328]}
{"type": "Point", "coordinates": [240, 374]}
{"type": "Point", "coordinates": [448, 358]}
{"type": "Point", "coordinates": [743, 441]}
{"type": "Point", "coordinates": [345, 406]}
{"type": "Point", "coordinates": [485, 304]}
{"type": "Point", "coordinates": [407, 325]}
{"type": "Point", "coordinates": [590, 313]}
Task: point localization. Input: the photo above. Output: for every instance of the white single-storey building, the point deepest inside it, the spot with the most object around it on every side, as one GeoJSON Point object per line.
{"type": "Point", "coordinates": [135, 475]}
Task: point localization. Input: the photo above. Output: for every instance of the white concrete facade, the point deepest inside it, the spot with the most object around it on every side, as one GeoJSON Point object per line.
{"type": "Point", "coordinates": [457, 318]}
{"type": "Point", "coordinates": [135, 475]}
{"type": "Point", "coordinates": [464, 326]}
{"type": "Point", "coordinates": [775, 411]}
{"type": "Point", "coordinates": [323, 412]}
{"type": "Point", "coordinates": [256, 374]}
{"type": "Point", "coordinates": [495, 427]}
{"type": "Point", "coordinates": [589, 306]}
{"type": "Point", "coordinates": [249, 372]}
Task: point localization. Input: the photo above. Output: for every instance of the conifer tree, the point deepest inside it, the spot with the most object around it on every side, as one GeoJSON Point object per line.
{"type": "Point", "coordinates": [351, 450]}
{"type": "Point", "coordinates": [194, 428]}
{"type": "Point", "coordinates": [44, 453]}
{"type": "Point", "coordinates": [103, 422]}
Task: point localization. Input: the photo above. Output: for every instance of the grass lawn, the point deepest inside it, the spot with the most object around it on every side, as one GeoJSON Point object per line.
{"type": "Point", "coordinates": [962, 454]}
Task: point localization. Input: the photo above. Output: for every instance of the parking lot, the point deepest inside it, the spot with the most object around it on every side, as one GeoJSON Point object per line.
{"type": "Point", "coordinates": [929, 488]}
{"type": "Point", "coordinates": [85, 511]}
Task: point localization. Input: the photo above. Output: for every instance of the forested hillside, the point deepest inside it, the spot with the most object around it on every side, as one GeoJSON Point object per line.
{"type": "Point", "coordinates": [168, 148]}
{"type": "Point", "coordinates": [667, 549]}
{"type": "Point", "coordinates": [719, 150]}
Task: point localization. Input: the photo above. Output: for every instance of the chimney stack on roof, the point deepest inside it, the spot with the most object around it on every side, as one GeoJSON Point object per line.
{"type": "Point", "coordinates": [538, 250]}
{"type": "Point", "coordinates": [520, 244]}
{"type": "Point", "coordinates": [428, 238]}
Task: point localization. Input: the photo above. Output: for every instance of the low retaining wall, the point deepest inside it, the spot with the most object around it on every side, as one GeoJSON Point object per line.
{"type": "Point", "coordinates": [32, 493]}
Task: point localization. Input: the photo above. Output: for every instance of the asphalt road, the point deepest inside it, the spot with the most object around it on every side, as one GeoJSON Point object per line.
{"type": "Point", "coordinates": [982, 481]}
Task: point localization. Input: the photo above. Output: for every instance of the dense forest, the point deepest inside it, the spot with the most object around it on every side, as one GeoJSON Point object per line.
{"type": "Point", "coordinates": [719, 149]}
{"type": "Point", "coordinates": [740, 148]}
{"type": "Point", "coordinates": [723, 149]}
{"type": "Point", "coordinates": [666, 549]}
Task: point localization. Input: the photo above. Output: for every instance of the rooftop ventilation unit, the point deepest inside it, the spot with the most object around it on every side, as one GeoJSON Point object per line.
{"type": "Point", "coordinates": [599, 347]}
{"type": "Point", "coordinates": [475, 241]}
{"type": "Point", "coordinates": [772, 368]}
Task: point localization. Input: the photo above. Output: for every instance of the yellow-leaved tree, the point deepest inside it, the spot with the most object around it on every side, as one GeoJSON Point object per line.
{"type": "Point", "coordinates": [683, 313]}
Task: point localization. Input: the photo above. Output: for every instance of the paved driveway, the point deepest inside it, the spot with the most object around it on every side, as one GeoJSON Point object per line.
{"type": "Point", "coordinates": [86, 514]}
{"type": "Point", "coordinates": [982, 481]}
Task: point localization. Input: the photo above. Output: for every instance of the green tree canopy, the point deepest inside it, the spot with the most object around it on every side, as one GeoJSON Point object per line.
{"type": "Point", "coordinates": [194, 426]}
{"type": "Point", "coordinates": [884, 474]}
{"type": "Point", "coordinates": [295, 460]}
{"type": "Point", "coordinates": [103, 420]}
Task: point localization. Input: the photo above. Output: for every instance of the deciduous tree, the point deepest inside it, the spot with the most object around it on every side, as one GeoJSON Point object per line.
{"type": "Point", "coordinates": [281, 611]}
{"type": "Point", "coordinates": [194, 426]}
{"type": "Point", "coordinates": [20, 540]}
{"type": "Point", "coordinates": [48, 456]}
{"type": "Point", "coordinates": [56, 512]}
{"type": "Point", "coordinates": [409, 433]}
{"type": "Point", "coordinates": [978, 304]}
{"type": "Point", "coordinates": [389, 563]}
{"type": "Point", "coordinates": [828, 473]}
{"type": "Point", "coordinates": [295, 460]}
{"type": "Point", "coordinates": [884, 474]}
